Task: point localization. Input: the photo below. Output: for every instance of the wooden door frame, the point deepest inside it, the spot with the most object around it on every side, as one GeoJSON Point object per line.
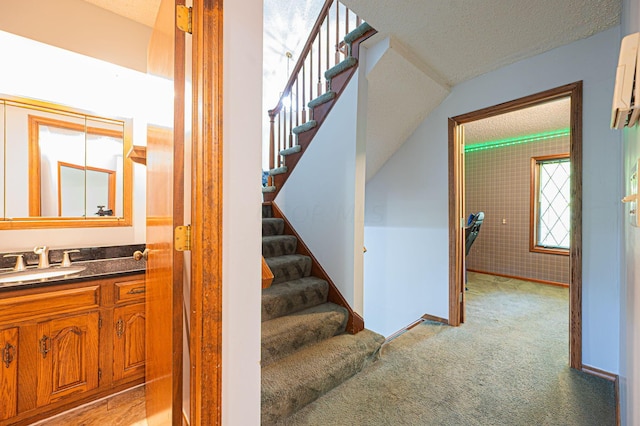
{"type": "Point", "coordinates": [456, 204]}
{"type": "Point", "coordinates": [206, 214]}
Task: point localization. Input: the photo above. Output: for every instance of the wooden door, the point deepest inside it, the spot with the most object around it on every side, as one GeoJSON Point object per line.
{"type": "Point", "coordinates": [68, 356]}
{"type": "Point", "coordinates": [129, 341]}
{"type": "Point", "coordinates": [462, 266]}
{"type": "Point", "coordinates": [456, 224]}
{"type": "Point", "coordinates": [165, 207]}
{"type": "Point", "coordinates": [8, 372]}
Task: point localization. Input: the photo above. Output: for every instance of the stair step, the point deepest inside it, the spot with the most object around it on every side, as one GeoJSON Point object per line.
{"type": "Point", "coordinates": [288, 334]}
{"type": "Point", "coordinates": [293, 382]}
{"type": "Point", "coordinates": [293, 296]}
{"type": "Point", "coordinates": [289, 267]}
{"type": "Point", "coordinates": [322, 99]}
{"type": "Point", "coordinates": [278, 245]}
{"type": "Point", "coordinates": [293, 150]}
{"type": "Point", "coordinates": [272, 226]}
{"type": "Point", "coordinates": [267, 211]}
{"type": "Point", "coordinates": [278, 171]}
{"type": "Point", "coordinates": [304, 127]}
{"type": "Point", "coordinates": [350, 62]}
{"type": "Point", "coordinates": [358, 32]}
{"type": "Point", "coordinates": [266, 189]}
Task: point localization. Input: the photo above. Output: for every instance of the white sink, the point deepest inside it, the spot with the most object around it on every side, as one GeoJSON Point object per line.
{"type": "Point", "coordinates": [37, 274]}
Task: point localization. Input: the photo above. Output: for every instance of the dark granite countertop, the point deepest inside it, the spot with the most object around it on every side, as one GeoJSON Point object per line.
{"type": "Point", "coordinates": [95, 269]}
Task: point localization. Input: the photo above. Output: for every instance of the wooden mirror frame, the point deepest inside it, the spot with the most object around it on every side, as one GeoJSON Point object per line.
{"type": "Point", "coordinates": [35, 221]}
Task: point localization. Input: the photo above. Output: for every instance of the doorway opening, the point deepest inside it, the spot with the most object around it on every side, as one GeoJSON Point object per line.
{"type": "Point", "coordinates": [540, 237]}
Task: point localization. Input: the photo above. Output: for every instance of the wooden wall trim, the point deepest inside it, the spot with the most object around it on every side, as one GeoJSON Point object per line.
{"type": "Point", "coordinates": [435, 318]}
{"type": "Point", "coordinates": [206, 219]}
{"type": "Point", "coordinates": [535, 280]}
{"type": "Point", "coordinates": [179, 116]}
{"type": "Point", "coordinates": [575, 260]}
{"type": "Point", "coordinates": [599, 373]}
{"type": "Point", "coordinates": [612, 378]}
{"type": "Point", "coordinates": [454, 313]}
{"type": "Point", "coordinates": [355, 323]}
{"type": "Point", "coordinates": [574, 91]}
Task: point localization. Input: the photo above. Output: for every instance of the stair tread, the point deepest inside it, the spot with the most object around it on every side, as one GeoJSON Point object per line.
{"type": "Point", "coordinates": [278, 245]}
{"type": "Point", "coordinates": [298, 379]}
{"type": "Point", "coordinates": [267, 211]}
{"type": "Point", "coordinates": [289, 267]}
{"type": "Point", "coordinates": [287, 334]}
{"type": "Point", "coordinates": [305, 127]}
{"type": "Point", "coordinates": [278, 171]}
{"type": "Point", "coordinates": [358, 32]}
{"type": "Point", "coordinates": [322, 99]}
{"type": "Point", "coordinates": [293, 150]}
{"type": "Point", "coordinates": [272, 226]}
{"type": "Point", "coordinates": [348, 63]}
{"type": "Point", "coordinates": [293, 296]}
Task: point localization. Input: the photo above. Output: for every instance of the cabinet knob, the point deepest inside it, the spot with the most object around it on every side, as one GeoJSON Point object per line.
{"type": "Point", "coordinates": [137, 255]}
{"type": "Point", "coordinates": [8, 354]}
{"type": "Point", "coordinates": [120, 328]}
{"type": "Point", "coordinates": [43, 346]}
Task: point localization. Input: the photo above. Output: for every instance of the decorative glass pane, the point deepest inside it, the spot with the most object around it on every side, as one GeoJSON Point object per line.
{"type": "Point", "coordinates": [553, 204]}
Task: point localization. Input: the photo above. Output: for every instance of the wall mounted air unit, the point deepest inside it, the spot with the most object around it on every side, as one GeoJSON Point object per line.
{"type": "Point", "coordinates": [626, 92]}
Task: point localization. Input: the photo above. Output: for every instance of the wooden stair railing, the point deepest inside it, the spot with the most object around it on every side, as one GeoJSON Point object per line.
{"type": "Point", "coordinates": [324, 50]}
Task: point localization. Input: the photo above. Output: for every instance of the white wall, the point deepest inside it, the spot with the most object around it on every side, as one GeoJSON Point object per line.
{"type": "Point", "coordinates": [406, 223]}
{"type": "Point", "coordinates": [323, 196]}
{"type": "Point", "coordinates": [630, 288]}
{"type": "Point", "coordinates": [241, 273]}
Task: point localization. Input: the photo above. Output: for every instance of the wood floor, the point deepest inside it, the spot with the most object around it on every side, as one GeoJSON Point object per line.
{"type": "Point", "coordinates": [124, 409]}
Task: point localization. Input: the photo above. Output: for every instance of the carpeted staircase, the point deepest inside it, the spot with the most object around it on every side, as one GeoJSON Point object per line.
{"type": "Point", "coordinates": [305, 350]}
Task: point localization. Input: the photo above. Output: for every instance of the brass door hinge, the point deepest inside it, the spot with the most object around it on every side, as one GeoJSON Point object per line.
{"type": "Point", "coordinates": [100, 322]}
{"type": "Point", "coordinates": [183, 18]}
{"type": "Point", "coordinates": [99, 374]}
{"type": "Point", "coordinates": [182, 238]}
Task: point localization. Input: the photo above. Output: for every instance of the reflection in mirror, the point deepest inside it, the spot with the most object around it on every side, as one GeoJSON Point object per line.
{"type": "Point", "coordinates": [2, 162]}
{"type": "Point", "coordinates": [64, 168]}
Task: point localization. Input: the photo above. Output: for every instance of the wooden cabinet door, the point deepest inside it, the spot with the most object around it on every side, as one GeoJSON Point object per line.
{"type": "Point", "coordinates": [8, 372]}
{"type": "Point", "coordinates": [129, 341]}
{"type": "Point", "coordinates": [68, 356]}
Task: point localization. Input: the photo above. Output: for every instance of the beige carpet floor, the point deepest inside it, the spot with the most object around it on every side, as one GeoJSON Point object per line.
{"type": "Point", "coordinates": [507, 365]}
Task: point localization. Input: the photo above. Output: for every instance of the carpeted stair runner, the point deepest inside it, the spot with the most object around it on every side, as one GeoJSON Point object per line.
{"type": "Point", "coordinates": [305, 350]}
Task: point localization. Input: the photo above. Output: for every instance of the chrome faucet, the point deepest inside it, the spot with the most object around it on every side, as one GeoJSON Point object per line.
{"type": "Point", "coordinates": [43, 252]}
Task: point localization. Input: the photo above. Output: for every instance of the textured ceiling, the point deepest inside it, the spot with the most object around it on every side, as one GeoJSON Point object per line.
{"type": "Point", "coordinates": [461, 39]}
{"type": "Point", "coordinates": [453, 40]}
{"type": "Point", "coordinates": [141, 11]}
{"type": "Point", "coordinates": [536, 119]}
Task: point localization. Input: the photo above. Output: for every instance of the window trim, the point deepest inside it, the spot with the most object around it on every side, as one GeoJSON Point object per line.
{"type": "Point", "coordinates": [533, 205]}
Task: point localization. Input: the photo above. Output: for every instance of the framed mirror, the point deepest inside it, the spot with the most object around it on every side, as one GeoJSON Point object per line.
{"type": "Point", "coordinates": [63, 167]}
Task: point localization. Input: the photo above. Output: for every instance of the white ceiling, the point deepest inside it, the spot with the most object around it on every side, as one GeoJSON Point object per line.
{"type": "Point", "coordinates": [461, 39]}
{"type": "Point", "coordinates": [554, 115]}
{"type": "Point", "coordinates": [455, 39]}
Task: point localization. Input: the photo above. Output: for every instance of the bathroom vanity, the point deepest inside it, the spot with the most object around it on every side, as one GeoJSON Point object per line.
{"type": "Point", "coordinates": [67, 340]}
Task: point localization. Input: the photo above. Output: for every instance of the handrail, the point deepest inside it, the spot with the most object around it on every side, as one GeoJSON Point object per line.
{"type": "Point", "coordinates": [314, 59]}
{"type": "Point", "coordinates": [303, 55]}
